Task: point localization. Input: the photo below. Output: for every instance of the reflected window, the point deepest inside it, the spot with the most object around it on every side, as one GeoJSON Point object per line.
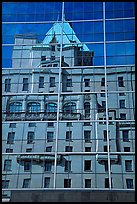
{"type": "Point", "coordinates": [87, 165]}
{"type": "Point", "coordinates": [87, 149]}
{"type": "Point", "coordinates": [7, 165]}
{"type": "Point", "coordinates": [27, 166]}
{"type": "Point", "coordinates": [46, 182]}
{"type": "Point", "coordinates": [125, 135]}
{"type": "Point", "coordinates": [106, 182]}
{"type": "Point", "coordinates": [15, 107]}
{"type": "Point", "coordinates": [50, 124]}
{"type": "Point", "coordinates": [5, 183]}
{"type": "Point", "coordinates": [10, 139]}
{"type": "Point", "coordinates": [69, 136]}
{"type": "Point", "coordinates": [129, 183]}
{"type": "Point", "coordinates": [122, 104]}
{"type": "Point", "coordinates": [12, 125]}
{"type": "Point", "coordinates": [43, 58]}
{"type": "Point", "coordinates": [52, 81]}
{"type": "Point", "coordinates": [48, 165]}
{"type": "Point", "coordinates": [87, 183]}
{"type": "Point", "coordinates": [126, 149]}
{"type": "Point", "coordinates": [123, 116]}
{"type": "Point", "coordinates": [67, 183]}
{"type": "Point", "coordinates": [25, 84]}
{"type": "Point", "coordinates": [51, 107]}
{"type": "Point", "coordinates": [30, 137]}
{"type": "Point", "coordinates": [70, 107]}
{"type": "Point", "coordinates": [68, 166]}
{"type": "Point", "coordinates": [49, 149]}
{"type": "Point", "coordinates": [8, 150]}
{"type": "Point", "coordinates": [50, 136]}
{"type": "Point", "coordinates": [7, 85]}
{"type": "Point", "coordinates": [33, 107]}
{"type": "Point", "coordinates": [87, 135]}
{"type": "Point", "coordinates": [41, 82]}
{"type": "Point", "coordinates": [26, 183]}
{"type": "Point", "coordinates": [68, 149]}
{"type": "Point", "coordinates": [128, 165]}
{"type": "Point", "coordinates": [87, 82]}
{"type": "Point", "coordinates": [87, 109]}
{"type": "Point", "coordinates": [120, 82]}
{"type": "Point", "coordinates": [69, 82]}
{"type": "Point", "coordinates": [103, 81]}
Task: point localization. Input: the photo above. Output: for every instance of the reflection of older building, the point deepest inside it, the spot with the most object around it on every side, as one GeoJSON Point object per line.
{"type": "Point", "coordinates": [55, 116]}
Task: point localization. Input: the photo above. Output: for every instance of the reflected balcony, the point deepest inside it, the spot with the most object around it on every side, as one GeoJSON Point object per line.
{"type": "Point", "coordinates": [38, 158]}
{"type": "Point", "coordinates": [70, 116]}
{"type": "Point", "coordinates": [104, 157]}
{"type": "Point", "coordinates": [14, 116]}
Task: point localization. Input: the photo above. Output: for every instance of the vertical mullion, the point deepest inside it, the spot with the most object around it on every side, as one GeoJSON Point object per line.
{"type": "Point", "coordinates": [105, 67]}
{"type": "Point", "coordinates": [59, 91]}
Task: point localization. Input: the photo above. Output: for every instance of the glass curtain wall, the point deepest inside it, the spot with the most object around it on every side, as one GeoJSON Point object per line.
{"type": "Point", "coordinates": [68, 95]}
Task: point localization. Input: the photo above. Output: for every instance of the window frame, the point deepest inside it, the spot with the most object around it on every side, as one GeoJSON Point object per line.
{"type": "Point", "coordinates": [30, 137]}
{"type": "Point", "coordinates": [41, 81]}
{"type": "Point", "coordinates": [25, 84]}
{"type": "Point", "coordinates": [87, 165]}
{"type": "Point", "coordinates": [7, 165]}
{"type": "Point", "coordinates": [7, 85]}
{"type": "Point", "coordinates": [10, 138]}
{"type": "Point", "coordinates": [26, 181]}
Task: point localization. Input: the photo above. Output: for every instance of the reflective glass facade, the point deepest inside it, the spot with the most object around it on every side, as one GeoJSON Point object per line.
{"type": "Point", "coordinates": [68, 104]}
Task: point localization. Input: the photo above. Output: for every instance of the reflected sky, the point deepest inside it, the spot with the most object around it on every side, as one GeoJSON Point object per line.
{"type": "Point", "coordinates": [116, 30]}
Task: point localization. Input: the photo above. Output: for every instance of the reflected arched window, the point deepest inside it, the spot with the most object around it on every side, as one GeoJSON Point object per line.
{"type": "Point", "coordinates": [33, 107]}
{"type": "Point", "coordinates": [15, 107]}
{"type": "Point", "coordinates": [70, 107]}
{"type": "Point", "coordinates": [51, 107]}
{"type": "Point", "coordinates": [87, 108]}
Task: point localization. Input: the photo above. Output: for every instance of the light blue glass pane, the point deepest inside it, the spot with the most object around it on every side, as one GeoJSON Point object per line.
{"type": "Point", "coordinates": [130, 48]}
{"type": "Point", "coordinates": [110, 49]}
{"type": "Point", "coordinates": [98, 61]}
{"type": "Point", "coordinates": [130, 60]}
{"type": "Point", "coordinates": [129, 25]}
{"type": "Point", "coordinates": [110, 60]}
{"type": "Point", "coordinates": [110, 26]}
{"type": "Point", "coordinates": [119, 60]}
{"type": "Point", "coordinates": [120, 48]}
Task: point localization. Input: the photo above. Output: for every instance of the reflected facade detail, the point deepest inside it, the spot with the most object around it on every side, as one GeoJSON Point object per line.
{"type": "Point", "coordinates": [67, 106]}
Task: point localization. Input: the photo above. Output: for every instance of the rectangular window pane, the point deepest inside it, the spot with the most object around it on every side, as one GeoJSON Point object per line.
{"type": "Point", "coordinates": [7, 85]}
{"type": "Point", "coordinates": [87, 165]}
{"type": "Point", "coordinates": [30, 137]}
{"type": "Point", "coordinates": [27, 166]}
{"type": "Point", "coordinates": [87, 183]}
{"type": "Point", "coordinates": [67, 183]}
{"type": "Point", "coordinates": [25, 84]}
{"type": "Point", "coordinates": [10, 139]}
{"type": "Point", "coordinates": [68, 135]}
{"type": "Point", "coordinates": [48, 166]}
{"type": "Point", "coordinates": [87, 135]}
{"type": "Point", "coordinates": [12, 125]}
{"type": "Point", "coordinates": [26, 183]}
{"type": "Point", "coordinates": [52, 81]}
{"type": "Point", "coordinates": [69, 82]}
{"type": "Point", "coordinates": [46, 182]}
{"type": "Point", "coordinates": [125, 135]}
{"type": "Point", "coordinates": [129, 183]}
{"type": "Point", "coordinates": [7, 165]}
{"type": "Point", "coordinates": [41, 82]}
{"type": "Point", "coordinates": [5, 183]}
{"type": "Point", "coordinates": [50, 136]}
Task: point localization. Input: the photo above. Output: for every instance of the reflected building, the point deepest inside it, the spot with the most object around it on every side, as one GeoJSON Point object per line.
{"type": "Point", "coordinates": [66, 122]}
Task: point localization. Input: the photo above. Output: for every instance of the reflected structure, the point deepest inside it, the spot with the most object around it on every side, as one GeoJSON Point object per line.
{"type": "Point", "coordinates": [68, 106]}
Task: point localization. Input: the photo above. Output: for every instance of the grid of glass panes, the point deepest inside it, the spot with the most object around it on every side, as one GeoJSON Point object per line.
{"type": "Point", "coordinates": [95, 93]}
